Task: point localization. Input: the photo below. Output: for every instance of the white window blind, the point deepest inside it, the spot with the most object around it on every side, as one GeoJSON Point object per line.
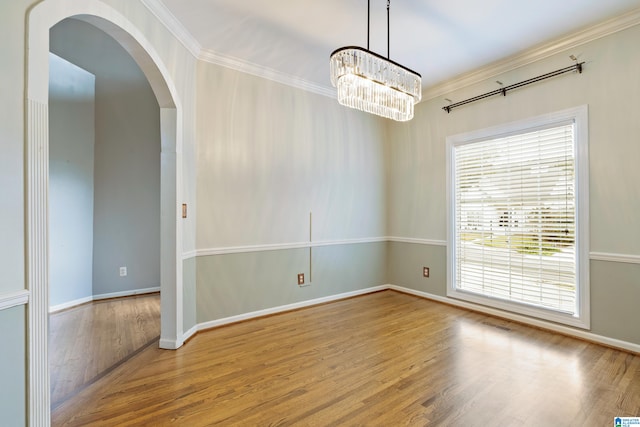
{"type": "Point", "coordinates": [515, 216]}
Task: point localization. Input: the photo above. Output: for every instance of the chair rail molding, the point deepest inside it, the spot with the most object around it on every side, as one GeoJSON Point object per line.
{"type": "Point", "coordinates": [14, 299]}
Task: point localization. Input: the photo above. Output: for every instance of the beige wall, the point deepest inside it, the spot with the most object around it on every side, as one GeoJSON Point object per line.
{"type": "Point", "coordinates": [611, 88]}
{"type": "Point", "coordinates": [12, 321]}
{"type": "Point", "coordinates": [12, 29]}
{"type": "Point", "coordinates": [268, 155]}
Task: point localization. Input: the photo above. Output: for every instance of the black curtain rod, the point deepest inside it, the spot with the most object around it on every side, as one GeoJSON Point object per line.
{"type": "Point", "coordinates": [504, 90]}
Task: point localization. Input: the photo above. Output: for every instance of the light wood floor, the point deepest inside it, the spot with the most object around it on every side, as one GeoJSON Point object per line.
{"type": "Point", "coordinates": [383, 359]}
{"type": "Point", "coordinates": [88, 341]}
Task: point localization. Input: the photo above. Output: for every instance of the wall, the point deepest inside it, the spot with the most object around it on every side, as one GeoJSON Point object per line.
{"type": "Point", "coordinates": [127, 160]}
{"type": "Point", "coordinates": [12, 264]}
{"type": "Point", "coordinates": [611, 88]}
{"type": "Point", "coordinates": [268, 155]}
{"type": "Point", "coordinates": [12, 368]}
{"type": "Point", "coordinates": [11, 141]}
{"type": "Point", "coordinates": [179, 65]}
{"type": "Point", "coordinates": [71, 146]}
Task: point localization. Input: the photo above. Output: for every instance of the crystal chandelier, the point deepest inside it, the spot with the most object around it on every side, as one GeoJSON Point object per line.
{"type": "Point", "coordinates": [374, 84]}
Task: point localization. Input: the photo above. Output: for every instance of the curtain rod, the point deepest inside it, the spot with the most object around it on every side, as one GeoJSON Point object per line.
{"type": "Point", "coordinates": [504, 90]}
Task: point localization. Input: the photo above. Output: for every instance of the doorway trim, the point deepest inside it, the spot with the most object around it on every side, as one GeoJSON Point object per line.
{"type": "Point", "coordinates": [39, 21]}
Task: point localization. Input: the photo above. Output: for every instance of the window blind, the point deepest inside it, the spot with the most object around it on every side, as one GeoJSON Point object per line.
{"type": "Point", "coordinates": [515, 219]}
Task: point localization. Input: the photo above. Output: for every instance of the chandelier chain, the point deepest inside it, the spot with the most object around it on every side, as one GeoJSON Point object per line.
{"type": "Point", "coordinates": [368, 21]}
{"type": "Point", "coordinates": [388, 31]}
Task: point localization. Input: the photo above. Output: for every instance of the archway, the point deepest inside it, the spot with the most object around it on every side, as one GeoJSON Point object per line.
{"type": "Point", "coordinates": [41, 18]}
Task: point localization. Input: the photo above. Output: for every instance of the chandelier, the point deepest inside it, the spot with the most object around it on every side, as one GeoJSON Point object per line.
{"type": "Point", "coordinates": [372, 83]}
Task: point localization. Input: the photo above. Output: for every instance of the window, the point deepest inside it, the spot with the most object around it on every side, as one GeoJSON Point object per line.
{"type": "Point", "coordinates": [517, 217]}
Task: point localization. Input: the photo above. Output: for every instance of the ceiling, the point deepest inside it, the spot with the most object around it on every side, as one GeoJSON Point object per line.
{"type": "Point", "coordinates": [291, 40]}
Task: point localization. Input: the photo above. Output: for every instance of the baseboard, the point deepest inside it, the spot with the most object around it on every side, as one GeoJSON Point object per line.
{"type": "Point", "coordinates": [127, 293]}
{"type": "Point", "coordinates": [278, 309]}
{"type": "Point", "coordinates": [565, 330]}
{"type": "Point", "coordinates": [169, 344]}
{"type": "Point", "coordinates": [191, 332]}
{"type": "Point", "coordinates": [69, 304]}
{"type": "Point", "coordinates": [85, 300]}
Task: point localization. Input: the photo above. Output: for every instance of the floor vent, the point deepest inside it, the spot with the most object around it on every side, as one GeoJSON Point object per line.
{"type": "Point", "coordinates": [504, 328]}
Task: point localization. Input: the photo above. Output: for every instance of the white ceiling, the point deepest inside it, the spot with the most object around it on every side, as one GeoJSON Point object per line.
{"type": "Point", "coordinates": [440, 39]}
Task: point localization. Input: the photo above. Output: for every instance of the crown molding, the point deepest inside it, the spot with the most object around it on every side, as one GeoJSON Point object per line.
{"type": "Point", "coordinates": [537, 53]}
{"type": "Point", "coordinates": [534, 54]}
{"type": "Point", "coordinates": [164, 15]}
{"type": "Point", "coordinates": [166, 18]}
{"type": "Point", "coordinates": [264, 72]}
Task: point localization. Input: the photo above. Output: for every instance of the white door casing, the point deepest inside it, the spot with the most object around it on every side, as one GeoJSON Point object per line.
{"type": "Point", "coordinates": [40, 20]}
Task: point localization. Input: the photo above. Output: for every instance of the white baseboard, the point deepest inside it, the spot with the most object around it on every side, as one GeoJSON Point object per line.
{"type": "Point", "coordinates": [279, 309]}
{"type": "Point", "coordinates": [169, 344]}
{"type": "Point", "coordinates": [565, 330]}
{"type": "Point", "coordinates": [127, 293]}
{"type": "Point", "coordinates": [191, 332]}
{"type": "Point", "coordinates": [69, 304]}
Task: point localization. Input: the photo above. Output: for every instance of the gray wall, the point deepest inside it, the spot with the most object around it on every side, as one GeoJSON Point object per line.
{"type": "Point", "coordinates": [234, 284]}
{"type": "Point", "coordinates": [189, 293]}
{"type": "Point", "coordinates": [71, 145]}
{"type": "Point", "coordinates": [611, 88]}
{"type": "Point", "coordinates": [13, 366]}
{"type": "Point", "coordinates": [126, 225]}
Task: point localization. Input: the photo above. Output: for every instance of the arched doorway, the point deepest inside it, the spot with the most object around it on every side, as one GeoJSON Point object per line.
{"type": "Point", "coordinates": [41, 18]}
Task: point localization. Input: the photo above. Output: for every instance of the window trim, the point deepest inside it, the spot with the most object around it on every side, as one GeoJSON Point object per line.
{"type": "Point", "coordinates": [578, 115]}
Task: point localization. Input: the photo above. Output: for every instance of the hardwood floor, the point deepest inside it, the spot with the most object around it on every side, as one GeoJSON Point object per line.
{"type": "Point", "coordinates": [87, 341]}
{"type": "Point", "coordinates": [382, 359]}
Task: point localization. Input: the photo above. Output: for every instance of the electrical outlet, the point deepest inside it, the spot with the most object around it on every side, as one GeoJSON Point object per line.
{"type": "Point", "coordinates": [425, 271]}
{"type": "Point", "coordinates": [123, 271]}
{"type": "Point", "coordinates": [301, 279]}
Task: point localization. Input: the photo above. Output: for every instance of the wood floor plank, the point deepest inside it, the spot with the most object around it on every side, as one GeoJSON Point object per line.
{"type": "Point", "coordinates": [380, 359]}
{"type": "Point", "coordinates": [88, 340]}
